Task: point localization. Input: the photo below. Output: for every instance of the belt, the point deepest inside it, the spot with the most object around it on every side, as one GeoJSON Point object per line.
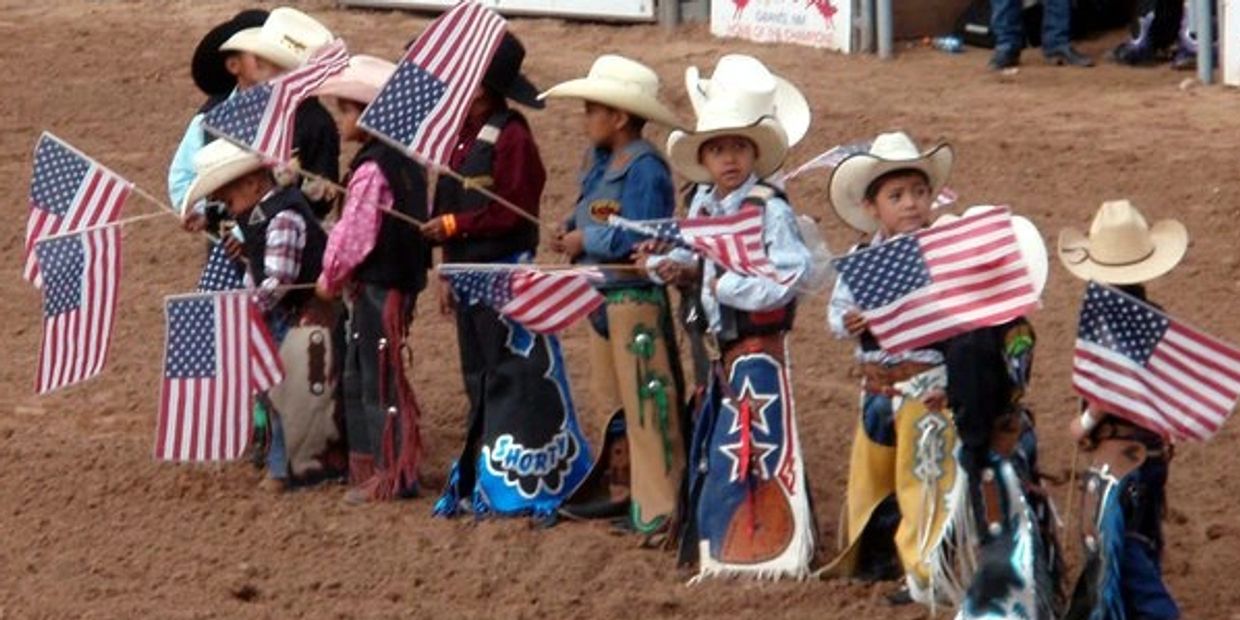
{"type": "Point", "coordinates": [881, 379]}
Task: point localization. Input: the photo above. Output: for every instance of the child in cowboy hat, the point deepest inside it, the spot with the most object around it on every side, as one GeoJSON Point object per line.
{"type": "Point", "coordinates": [520, 403]}
{"type": "Point", "coordinates": [284, 41]}
{"type": "Point", "coordinates": [380, 264]}
{"type": "Point", "coordinates": [634, 359]}
{"type": "Point", "coordinates": [883, 192]}
{"type": "Point", "coordinates": [1129, 461]}
{"type": "Point", "coordinates": [747, 510]}
{"type": "Point", "coordinates": [283, 246]}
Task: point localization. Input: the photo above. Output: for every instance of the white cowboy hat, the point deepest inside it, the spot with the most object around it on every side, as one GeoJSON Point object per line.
{"type": "Point", "coordinates": [216, 165]}
{"type": "Point", "coordinates": [1121, 248]}
{"type": "Point", "coordinates": [735, 105]}
{"type": "Point", "coordinates": [1028, 238]}
{"type": "Point", "coordinates": [287, 38]}
{"type": "Point", "coordinates": [888, 153]}
{"type": "Point", "coordinates": [621, 83]}
{"type": "Point", "coordinates": [791, 108]}
{"type": "Point", "coordinates": [360, 81]}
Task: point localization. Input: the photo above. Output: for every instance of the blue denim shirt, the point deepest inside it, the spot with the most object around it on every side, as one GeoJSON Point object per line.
{"type": "Point", "coordinates": [784, 247]}
{"type": "Point", "coordinates": [636, 185]}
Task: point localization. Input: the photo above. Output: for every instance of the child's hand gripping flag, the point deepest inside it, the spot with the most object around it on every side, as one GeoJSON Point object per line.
{"type": "Point", "coordinates": [732, 241]}
{"type": "Point", "coordinates": [543, 302]}
{"type": "Point", "coordinates": [928, 286]}
{"type": "Point", "coordinates": [1138, 363]}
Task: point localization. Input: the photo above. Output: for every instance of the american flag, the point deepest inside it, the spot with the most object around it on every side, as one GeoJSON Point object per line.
{"type": "Point", "coordinates": [543, 302]}
{"type": "Point", "coordinates": [1141, 364]}
{"type": "Point", "coordinates": [220, 272]}
{"type": "Point", "coordinates": [939, 282]}
{"type": "Point", "coordinates": [422, 106]}
{"type": "Point", "coordinates": [261, 118]}
{"type": "Point", "coordinates": [732, 241]}
{"type": "Point", "coordinates": [80, 275]}
{"type": "Point", "coordinates": [218, 354]}
{"type": "Point", "coordinates": [68, 192]}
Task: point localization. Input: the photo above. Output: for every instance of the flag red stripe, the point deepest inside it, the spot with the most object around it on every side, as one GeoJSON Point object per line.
{"type": "Point", "coordinates": [1213, 395]}
{"type": "Point", "coordinates": [1171, 409]}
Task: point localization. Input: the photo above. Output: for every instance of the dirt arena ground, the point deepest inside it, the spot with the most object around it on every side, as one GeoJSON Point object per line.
{"type": "Point", "coordinates": [91, 527]}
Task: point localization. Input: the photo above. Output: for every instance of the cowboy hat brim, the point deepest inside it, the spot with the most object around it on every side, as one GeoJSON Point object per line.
{"type": "Point", "coordinates": [520, 90]}
{"type": "Point", "coordinates": [1028, 238]}
{"type": "Point", "coordinates": [252, 40]}
{"type": "Point", "coordinates": [1170, 241]}
{"type": "Point", "coordinates": [766, 134]}
{"type": "Point", "coordinates": [791, 107]}
{"type": "Point", "coordinates": [219, 175]}
{"type": "Point", "coordinates": [854, 175]}
{"type": "Point", "coordinates": [360, 81]}
{"type": "Point", "coordinates": [207, 66]}
{"type": "Point", "coordinates": [615, 94]}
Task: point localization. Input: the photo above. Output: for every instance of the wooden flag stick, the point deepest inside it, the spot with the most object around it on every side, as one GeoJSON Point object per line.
{"type": "Point", "coordinates": [120, 222]}
{"type": "Point", "coordinates": [239, 291]}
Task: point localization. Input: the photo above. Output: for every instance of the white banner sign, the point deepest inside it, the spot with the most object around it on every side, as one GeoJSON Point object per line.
{"type": "Point", "coordinates": [607, 9]}
{"type": "Point", "coordinates": [818, 23]}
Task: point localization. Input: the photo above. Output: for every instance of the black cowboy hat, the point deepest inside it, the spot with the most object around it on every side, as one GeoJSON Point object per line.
{"type": "Point", "coordinates": [207, 66]}
{"type": "Point", "coordinates": [504, 74]}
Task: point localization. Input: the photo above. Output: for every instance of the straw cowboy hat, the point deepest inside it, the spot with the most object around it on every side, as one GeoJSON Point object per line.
{"type": "Point", "coordinates": [621, 83]}
{"type": "Point", "coordinates": [360, 81]}
{"type": "Point", "coordinates": [740, 102]}
{"type": "Point", "coordinates": [1028, 238]}
{"type": "Point", "coordinates": [288, 38]}
{"type": "Point", "coordinates": [207, 67]}
{"type": "Point", "coordinates": [888, 153]}
{"type": "Point", "coordinates": [1121, 248]}
{"type": "Point", "coordinates": [216, 165]}
{"type": "Point", "coordinates": [791, 108]}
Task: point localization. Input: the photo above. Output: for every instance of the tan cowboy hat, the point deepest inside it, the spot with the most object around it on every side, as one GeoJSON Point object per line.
{"type": "Point", "coordinates": [736, 105]}
{"type": "Point", "coordinates": [288, 38]}
{"type": "Point", "coordinates": [791, 108]}
{"type": "Point", "coordinates": [888, 153]}
{"type": "Point", "coordinates": [1121, 248]}
{"type": "Point", "coordinates": [216, 165]}
{"type": "Point", "coordinates": [621, 83]}
{"type": "Point", "coordinates": [360, 81]}
{"type": "Point", "coordinates": [1028, 238]}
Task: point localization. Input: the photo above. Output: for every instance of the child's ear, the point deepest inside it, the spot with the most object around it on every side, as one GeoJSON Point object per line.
{"type": "Point", "coordinates": [233, 64]}
{"type": "Point", "coordinates": [870, 206]}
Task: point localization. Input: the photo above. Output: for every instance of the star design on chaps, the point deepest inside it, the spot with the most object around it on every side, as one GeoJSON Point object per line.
{"type": "Point", "coordinates": [758, 404]}
{"type": "Point", "coordinates": [761, 450]}
{"type": "Point", "coordinates": [756, 452]}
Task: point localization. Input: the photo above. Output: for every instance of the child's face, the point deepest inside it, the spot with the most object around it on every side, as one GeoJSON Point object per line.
{"type": "Point", "coordinates": [902, 203]}
{"type": "Point", "coordinates": [241, 195]}
{"type": "Point", "coordinates": [250, 70]}
{"type": "Point", "coordinates": [348, 112]}
{"type": "Point", "coordinates": [603, 123]}
{"type": "Point", "coordinates": [729, 159]}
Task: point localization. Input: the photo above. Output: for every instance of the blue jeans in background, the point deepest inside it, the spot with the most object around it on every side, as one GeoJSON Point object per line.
{"type": "Point", "coordinates": [1006, 24]}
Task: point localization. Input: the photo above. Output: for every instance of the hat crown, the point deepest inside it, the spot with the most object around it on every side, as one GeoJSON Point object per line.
{"type": "Point", "coordinates": [217, 152]}
{"type": "Point", "coordinates": [296, 32]}
{"type": "Point", "coordinates": [627, 73]}
{"type": "Point", "coordinates": [895, 146]}
{"type": "Point", "coordinates": [1119, 234]}
{"type": "Point", "coordinates": [741, 90]}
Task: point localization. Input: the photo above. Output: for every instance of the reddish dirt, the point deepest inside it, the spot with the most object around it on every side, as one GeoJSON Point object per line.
{"type": "Point", "coordinates": [94, 528]}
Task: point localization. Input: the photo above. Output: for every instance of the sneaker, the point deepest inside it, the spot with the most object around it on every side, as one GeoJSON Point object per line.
{"type": "Point", "coordinates": [1068, 56]}
{"type": "Point", "coordinates": [1004, 58]}
{"type": "Point", "coordinates": [1184, 60]}
{"type": "Point", "coordinates": [1133, 55]}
